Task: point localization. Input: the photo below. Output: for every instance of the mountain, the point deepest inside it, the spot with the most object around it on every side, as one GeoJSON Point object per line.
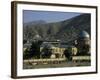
{"type": "Point", "coordinates": [37, 22]}
{"type": "Point", "coordinates": [66, 30]}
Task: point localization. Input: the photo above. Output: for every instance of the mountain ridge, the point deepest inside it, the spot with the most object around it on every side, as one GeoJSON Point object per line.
{"type": "Point", "coordinates": [66, 30]}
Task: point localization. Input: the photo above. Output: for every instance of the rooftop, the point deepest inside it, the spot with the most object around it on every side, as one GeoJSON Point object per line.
{"type": "Point", "coordinates": [84, 34]}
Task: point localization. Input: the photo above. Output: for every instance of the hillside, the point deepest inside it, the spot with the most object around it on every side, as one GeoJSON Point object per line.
{"type": "Point", "coordinates": [66, 30]}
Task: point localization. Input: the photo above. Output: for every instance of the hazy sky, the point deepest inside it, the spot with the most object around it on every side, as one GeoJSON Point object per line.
{"type": "Point", "coordinates": [48, 16]}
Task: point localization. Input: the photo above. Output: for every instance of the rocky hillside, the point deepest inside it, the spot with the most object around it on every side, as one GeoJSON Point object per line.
{"type": "Point", "coordinates": [66, 30]}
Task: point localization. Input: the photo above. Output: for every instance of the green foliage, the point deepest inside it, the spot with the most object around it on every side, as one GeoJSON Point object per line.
{"type": "Point", "coordinates": [46, 52]}
{"type": "Point", "coordinates": [84, 50]}
{"type": "Point", "coordinates": [35, 49]}
{"type": "Point", "coordinates": [68, 54]}
{"type": "Point", "coordinates": [26, 54]}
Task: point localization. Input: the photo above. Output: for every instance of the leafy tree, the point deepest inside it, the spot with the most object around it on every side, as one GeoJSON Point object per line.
{"type": "Point", "coordinates": [26, 54]}
{"type": "Point", "coordinates": [68, 54]}
{"type": "Point", "coordinates": [46, 51]}
{"type": "Point", "coordinates": [85, 50]}
{"type": "Point", "coordinates": [35, 49]}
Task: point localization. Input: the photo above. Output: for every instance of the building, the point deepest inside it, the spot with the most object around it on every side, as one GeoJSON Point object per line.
{"type": "Point", "coordinates": [51, 49]}
{"type": "Point", "coordinates": [57, 49]}
{"type": "Point", "coordinates": [83, 43]}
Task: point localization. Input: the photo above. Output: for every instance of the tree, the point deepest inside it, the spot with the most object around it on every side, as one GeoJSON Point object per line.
{"type": "Point", "coordinates": [85, 50]}
{"type": "Point", "coordinates": [26, 54]}
{"type": "Point", "coordinates": [68, 54]}
{"type": "Point", "coordinates": [35, 49]}
{"type": "Point", "coordinates": [46, 51]}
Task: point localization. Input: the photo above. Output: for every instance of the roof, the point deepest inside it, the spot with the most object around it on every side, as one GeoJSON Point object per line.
{"type": "Point", "coordinates": [83, 34]}
{"type": "Point", "coordinates": [50, 45]}
{"type": "Point", "coordinates": [47, 45]}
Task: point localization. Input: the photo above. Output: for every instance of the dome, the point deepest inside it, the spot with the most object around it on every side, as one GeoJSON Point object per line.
{"type": "Point", "coordinates": [83, 34]}
{"type": "Point", "coordinates": [37, 37]}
